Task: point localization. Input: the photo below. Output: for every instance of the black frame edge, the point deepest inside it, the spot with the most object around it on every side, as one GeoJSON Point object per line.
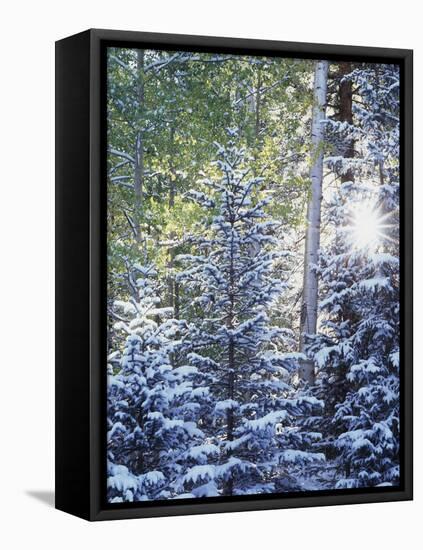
{"type": "Point", "coordinates": [308, 49]}
{"type": "Point", "coordinates": [406, 251]}
{"type": "Point", "coordinates": [90, 390]}
{"type": "Point", "coordinates": [72, 294]}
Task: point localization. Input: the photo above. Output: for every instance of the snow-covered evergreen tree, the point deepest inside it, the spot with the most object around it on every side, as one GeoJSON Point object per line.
{"type": "Point", "coordinates": [252, 437]}
{"type": "Point", "coordinates": [153, 404]}
{"type": "Point", "coordinates": [357, 350]}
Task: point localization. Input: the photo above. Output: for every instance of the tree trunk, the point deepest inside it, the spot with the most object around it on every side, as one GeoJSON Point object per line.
{"type": "Point", "coordinates": [258, 105]}
{"type": "Point", "coordinates": [173, 288]}
{"type": "Point", "coordinates": [229, 485]}
{"type": "Point", "coordinates": [345, 114]}
{"type": "Point", "coordinates": [308, 322]}
{"type": "Point", "coordinates": [139, 151]}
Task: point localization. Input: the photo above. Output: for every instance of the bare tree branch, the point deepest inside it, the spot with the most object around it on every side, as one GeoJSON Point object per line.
{"type": "Point", "coordinates": [122, 154]}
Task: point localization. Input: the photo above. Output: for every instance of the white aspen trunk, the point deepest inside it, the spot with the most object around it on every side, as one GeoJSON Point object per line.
{"type": "Point", "coordinates": [308, 323]}
{"type": "Point", "coordinates": [258, 105]}
{"type": "Point", "coordinates": [139, 150]}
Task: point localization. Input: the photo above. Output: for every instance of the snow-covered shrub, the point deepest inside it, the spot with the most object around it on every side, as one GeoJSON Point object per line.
{"type": "Point", "coordinates": [250, 420]}
{"type": "Point", "coordinates": [153, 402]}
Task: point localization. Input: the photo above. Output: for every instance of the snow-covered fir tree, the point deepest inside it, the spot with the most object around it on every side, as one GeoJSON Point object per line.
{"type": "Point", "coordinates": [357, 350]}
{"type": "Point", "coordinates": [252, 438]}
{"type": "Point", "coordinates": [153, 403]}
{"type": "Point", "coordinates": [210, 398]}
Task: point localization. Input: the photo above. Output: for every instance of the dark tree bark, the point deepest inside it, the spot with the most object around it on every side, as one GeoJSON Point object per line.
{"type": "Point", "coordinates": [345, 96]}
{"type": "Point", "coordinates": [172, 284]}
{"type": "Point", "coordinates": [231, 365]}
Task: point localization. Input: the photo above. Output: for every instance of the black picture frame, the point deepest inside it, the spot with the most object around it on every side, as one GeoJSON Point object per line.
{"type": "Point", "coordinates": [81, 268]}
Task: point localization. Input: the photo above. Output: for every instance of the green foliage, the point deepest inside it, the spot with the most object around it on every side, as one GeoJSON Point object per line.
{"type": "Point", "coordinates": [176, 105]}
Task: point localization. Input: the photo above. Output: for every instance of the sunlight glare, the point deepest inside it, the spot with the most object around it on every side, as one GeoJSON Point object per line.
{"type": "Point", "coordinates": [367, 226]}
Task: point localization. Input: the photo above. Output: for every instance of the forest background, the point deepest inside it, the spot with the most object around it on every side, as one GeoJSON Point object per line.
{"type": "Point", "coordinates": [262, 195]}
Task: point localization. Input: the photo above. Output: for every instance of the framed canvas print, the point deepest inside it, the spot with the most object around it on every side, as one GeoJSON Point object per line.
{"type": "Point", "coordinates": [234, 274]}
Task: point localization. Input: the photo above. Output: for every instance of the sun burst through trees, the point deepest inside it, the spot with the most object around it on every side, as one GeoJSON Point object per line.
{"type": "Point", "coordinates": [369, 226]}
